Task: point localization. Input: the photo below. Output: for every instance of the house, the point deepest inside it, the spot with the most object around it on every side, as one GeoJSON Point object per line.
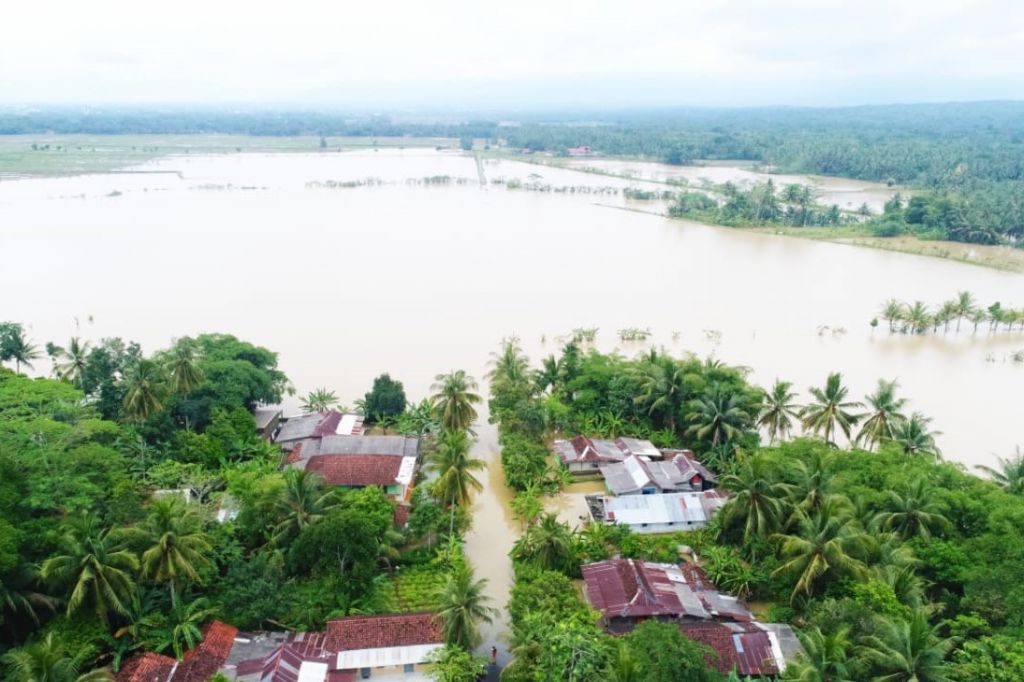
{"type": "Point", "coordinates": [582, 150]}
{"type": "Point", "coordinates": [318, 425]}
{"type": "Point", "coordinates": [699, 476]}
{"type": "Point", "coordinates": [393, 474]}
{"type": "Point", "coordinates": [198, 665]}
{"type": "Point", "coordinates": [583, 455]}
{"type": "Point", "coordinates": [640, 476]}
{"type": "Point", "coordinates": [657, 513]}
{"type": "Point", "coordinates": [628, 591]}
{"type": "Point", "coordinates": [267, 420]}
{"type": "Point", "coordinates": [388, 647]}
{"type": "Point", "coordinates": [394, 446]}
{"type": "Point", "coordinates": [753, 648]}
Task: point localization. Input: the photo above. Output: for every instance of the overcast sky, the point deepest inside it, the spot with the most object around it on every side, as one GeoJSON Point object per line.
{"type": "Point", "coordinates": [511, 53]}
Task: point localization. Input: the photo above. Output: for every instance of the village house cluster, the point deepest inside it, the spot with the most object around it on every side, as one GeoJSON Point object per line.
{"type": "Point", "coordinates": [653, 491]}
{"type": "Point", "coordinates": [382, 647]}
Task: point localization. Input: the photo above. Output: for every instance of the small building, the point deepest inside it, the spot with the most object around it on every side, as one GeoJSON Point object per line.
{"type": "Point", "coordinates": [754, 649]}
{"type": "Point", "coordinates": [583, 455]}
{"type": "Point", "coordinates": [582, 150]}
{"type": "Point", "coordinates": [267, 420]}
{"type": "Point", "coordinates": [627, 592]}
{"type": "Point", "coordinates": [318, 425]}
{"type": "Point", "coordinates": [641, 476]}
{"type": "Point", "coordinates": [699, 476]}
{"type": "Point", "coordinates": [657, 513]}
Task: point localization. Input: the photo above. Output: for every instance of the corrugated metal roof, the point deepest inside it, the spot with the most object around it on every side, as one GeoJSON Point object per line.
{"type": "Point", "coordinates": [385, 657]}
{"type": "Point", "coordinates": [637, 446]}
{"type": "Point", "coordinates": [664, 508]}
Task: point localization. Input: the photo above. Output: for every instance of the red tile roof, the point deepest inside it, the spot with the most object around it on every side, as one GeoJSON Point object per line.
{"type": "Point", "coordinates": [745, 647]}
{"type": "Point", "coordinates": [146, 667]}
{"type": "Point", "coordinates": [356, 470]}
{"type": "Point", "coordinates": [295, 455]}
{"type": "Point", "coordinates": [202, 662]}
{"type": "Point", "coordinates": [377, 632]}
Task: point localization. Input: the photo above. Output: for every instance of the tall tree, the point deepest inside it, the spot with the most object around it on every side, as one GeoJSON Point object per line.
{"type": "Point", "coordinates": [778, 411]}
{"type": "Point", "coordinates": [183, 368]}
{"type": "Point", "coordinates": [965, 306]}
{"type": "Point", "coordinates": [454, 398]}
{"type": "Point", "coordinates": [885, 412]}
{"type": "Point", "coordinates": [145, 390]}
{"type": "Point", "coordinates": [549, 543]}
{"type": "Point", "coordinates": [830, 410]}
{"type": "Point", "coordinates": [826, 543]}
{"type": "Point", "coordinates": [914, 436]}
{"type": "Point", "coordinates": [908, 650]}
{"type": "Point", "coordinates": [15, 345]}
{"type": "Point", "coordinates": [95, 566]}
{"type": "Point", "coordinates": [302, 503]}
{"type": "Point", "coordinates": [756, 501]}
{"type": "Point", "coordinates": [455, 468]}
{"type": "Point", "coordinates": [176, 549]}
{"type": "Point", "coordinates": [719, 414]}
{"type": "Point", "coordinates": [510, 364]}
{"type": "Point", "coordinates": [73, 361]}
{"type": "Point", "coordinates": [319, 400]}
{"type": "Point", "coordinates": [663, 389]}
{"type": "Point", "coordinates": [892, 312]}
{"type": "Point", "coordinates": [914, 512]}
{"type": "Point", "coordinates": [462, 605]}
{"type": "Point", "coordinates": [49, 660]}
{"type": "Point", "coordinates": [1009, 474]}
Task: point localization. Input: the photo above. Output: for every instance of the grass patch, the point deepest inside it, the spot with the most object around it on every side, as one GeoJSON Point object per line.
{"type": "Point", "coordinates": [409, 589]}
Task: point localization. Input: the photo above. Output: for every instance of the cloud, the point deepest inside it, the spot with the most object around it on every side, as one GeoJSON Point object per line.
{"type": "Point", "coordinates": [500, 54]}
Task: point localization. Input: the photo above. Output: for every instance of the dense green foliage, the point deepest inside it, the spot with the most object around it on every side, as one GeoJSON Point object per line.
{"type": "Point", "coordinates": [892, 565]}
{"type": "Point", "coordinates": [386, 400]}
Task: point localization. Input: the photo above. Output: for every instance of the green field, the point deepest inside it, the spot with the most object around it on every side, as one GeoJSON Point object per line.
{"type": "Point", "coordinates": [77, 154]}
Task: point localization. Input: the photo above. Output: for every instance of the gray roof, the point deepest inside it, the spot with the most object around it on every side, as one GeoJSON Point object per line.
{"type": "Point", "coordinates": [264, 416]}
{"type": "Point", "coordinates": [297, 428]}
{"type": "Point", "coordinates": [636, 473]}
{"type": "Point", "coordinates": [638, 446]}
{"type": "Point", "coordinates": [399, 446]}
{"type": "Point", "coordinates": [633, 510]}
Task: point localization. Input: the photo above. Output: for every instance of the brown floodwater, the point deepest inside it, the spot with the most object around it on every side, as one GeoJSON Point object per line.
{"type": "Point", "coordinates": [413, 278]}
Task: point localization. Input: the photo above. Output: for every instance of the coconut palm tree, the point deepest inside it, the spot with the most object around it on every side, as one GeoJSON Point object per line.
{"type": "Point", "coordinates": [184, 626]}
{"type": "Point", "coordinates": [908, 650]}
{"type": "Point", "coordinates": [454, 398]}
{"type": "Point", "coordinates": [511, 364]}
{"type": "Point", "coordinates": [462, 605]}
{"type": "Point", "coordinates": [145, 390]}
{"type": "Point", "coordinates": [15, 345]}
{"type": "Point", "coordinates": [95, 566]}
{"type": "Point", "coordinates": [319, 400]}
{"type": "Point", "coordinates": [176, 549]}
{"type": "Point", "coordinates": [826, 658]}
{"type": "Point", "coordinates": [49, 660]}
{"type": "Point", "coordinates": [718, 414]}
{"type": "Point", "coordinates": [778, 411]}
{"type": "Point", "coordinates": [302, 503]}
{"type": "Point", "coordinates": [1009, 475]}
{"type": "Point", "coordinates": [549, 543]}
{"type": "Point", "coordinates": [454, 468]}
{"type": "Point", "coordinates": [755, 500]}
{"type": "Point", "coordinates": [662, 388]}
{"type": "Point", "coordinates": [72, 361]}
{"type": "Point", "coordinates": [182, 368]}
{"type": "Point", "coordinates": [918, 318]}
{"type": "Point", "coordinates": [18, 594]}
{"type": "Point", "coordinates": [914, 437]}
{"type": "Point", "coordinates": [915, 512]}
{"type": "Point", "coordinates": [892, 312]}
{"type": "Point", "coordinates": [828, 542]}
{"type": "Point", "coordinates": [885, 412]}
{"type": "Point", "coordinates": [965, 306]}
{"type": "Point", "coordinates": [548, 375]}
{"type": "Point", "coordinates": [830, 410]}
{"type": "Point", "coordinates": [812, 484]}
{"type": "Point", "coordinates": [977, 316]}
{"type": "Point", "coordinates": [945, 314]}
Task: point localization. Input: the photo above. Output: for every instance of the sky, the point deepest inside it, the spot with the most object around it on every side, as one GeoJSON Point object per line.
{"type": "Point", "coordinates": [522, 54]}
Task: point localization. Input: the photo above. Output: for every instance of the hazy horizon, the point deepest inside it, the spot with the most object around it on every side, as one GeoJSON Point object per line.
{"type": "Point", "coordinates": [458, 55]}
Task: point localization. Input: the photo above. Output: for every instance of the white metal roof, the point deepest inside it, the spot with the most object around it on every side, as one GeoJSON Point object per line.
{"type": "Point", "coordinates": [406, 470]}
{"type": "Point", "coordinates": [696, 507]}
{"type": "Point", "coordinates": [312, 671]}
{"type": "Point", "coordinates": [385, 656]}
{"type": "Point", "coordinates": [347, 424]}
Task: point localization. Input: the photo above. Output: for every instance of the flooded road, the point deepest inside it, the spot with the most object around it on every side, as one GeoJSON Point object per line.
{"type": "Point", "coordinates": [354, 264]}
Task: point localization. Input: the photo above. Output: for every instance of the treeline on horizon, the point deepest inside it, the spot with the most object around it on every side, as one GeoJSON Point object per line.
{"type": "Point", "coordinates": [966, 160]}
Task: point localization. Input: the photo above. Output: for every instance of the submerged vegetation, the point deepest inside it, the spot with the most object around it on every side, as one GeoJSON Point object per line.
{"type": "Point", "coordinates": [918, 318]}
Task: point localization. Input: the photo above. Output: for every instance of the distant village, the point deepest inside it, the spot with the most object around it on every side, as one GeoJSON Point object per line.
{"type": "Point", "coordinates": [650, 490]}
